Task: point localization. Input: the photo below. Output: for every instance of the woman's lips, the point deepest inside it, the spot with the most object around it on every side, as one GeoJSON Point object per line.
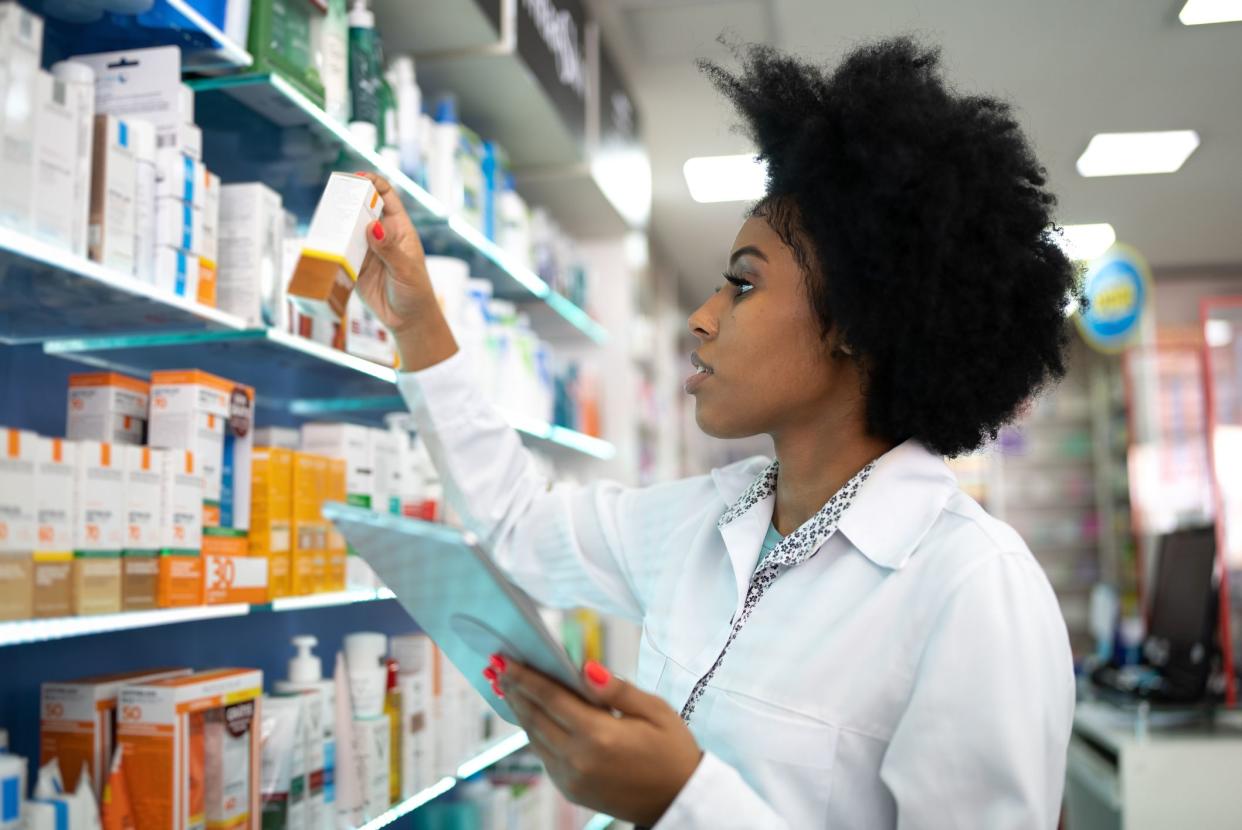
{"type": "Point", "coordinates": [702, 373]}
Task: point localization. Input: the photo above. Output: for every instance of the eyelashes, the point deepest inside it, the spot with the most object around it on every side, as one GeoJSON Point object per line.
{"type": "Point", "coordinates": [743, 287]}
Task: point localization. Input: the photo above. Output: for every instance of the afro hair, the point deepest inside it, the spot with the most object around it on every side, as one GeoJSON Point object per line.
{"type": "Point", "coordinates": [923, 223]}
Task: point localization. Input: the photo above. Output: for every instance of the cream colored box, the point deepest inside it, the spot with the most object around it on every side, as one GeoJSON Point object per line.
{"type": "Point", "coordinates": [181, 503]}
{"type": "Point", "coordinates": [53, 556]}
{"type": "Point", "coordinates": [18, 522]}
{"type": "Point", "coordinates": [352, 443]}
{"type": "Point", "coordinates": [99, 498]}
{"type": "Point", "coordinates": [335, 247]}
{"type": "Point", "coordinates": [144, 470]}
{"type": "Point", "coordinates": [21, 49]}
{"type": "Point", "coordinates": [177, 272]}
{"type": "Point", "coordinates": [107, 406]}
{"type": "Point", "coordinates": [53, 210]}
{"type": "Point", "coordinates": [114, 182]}
{"type": "Point", "coordinates": [179, 176]}
{"type": "Point", "coordinates": [178, 224]}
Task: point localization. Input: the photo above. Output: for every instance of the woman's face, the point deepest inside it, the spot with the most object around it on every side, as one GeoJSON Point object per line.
{"type": "Point", "coordinates": [765, 363]}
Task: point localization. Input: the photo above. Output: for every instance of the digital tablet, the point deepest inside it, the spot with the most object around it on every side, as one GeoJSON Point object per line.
{"type": "Point", "coordinates": [448, 583]}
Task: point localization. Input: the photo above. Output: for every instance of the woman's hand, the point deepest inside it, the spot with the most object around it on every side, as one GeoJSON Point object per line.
{"type": "Point", "coordinates": [395, 285]}
{"type": "Point", "coordinates": [629, 763]}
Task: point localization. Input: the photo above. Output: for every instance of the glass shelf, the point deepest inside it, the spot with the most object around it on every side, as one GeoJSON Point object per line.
{"type": "Point", "coordinates": [204, 47]}
{"type": "Point", "coordinates": [258, 127]}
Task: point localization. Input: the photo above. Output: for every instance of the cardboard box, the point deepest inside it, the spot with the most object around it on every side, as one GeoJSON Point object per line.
{"type": "Point", "coordinates": [189, 140]}
{"type": "Point", "coordinates": [80, 80]}
{"type": "Point", "coordinates": [77, 723]}
{"type": "Point", "coordinates": [178, 224]}
{"type": "Point", "coordinates": [21, 55]}
{"type": "Point", "coordinates": [141, 83]}
{"type": "Point", "coordinates": [180, 577]}
{"type": "Point", "coordinates": [365, 336]}
{"type": "Point", "coordinates": [335, 572]}
{"type": "Point", "coordinates": [144, 479]}
{"type": "Point", "coordinates": [169, 729]}
{"type": "Point", "coordinates": [335, 247]}
{"type": "Point", "coordinates": [113, 187]}
{"type": "Point", "coordinates": [309, 538]}
{"type": "Point", "coordinates": [107, 406]}
{"type": "Point", "coordinates": [386, 450]}
{"type": "Point", "coordinates": [53, 554]}
{"type": "Point", "coordinates": [99, 528]}
{"type": "Point", "coordinates": [284, 437]}
{"type": "Point", "coordinates": [178, 272]}
{"type": "Point", "coordinates": [271, 515]}
{"type": "Point", "coordinates": [353, 444]}
{"type": "Point", "coordinates": [416, 658]}
{"type": "Point", "coordinates": [179, 176]}
{"type": "Point", "coordinates": [250, 248]}
{"type": "Point", "coordinates": [18, 522]}
{"type": "Point", "coordinates": [209, 256]}
{"type": "Point", "coordinates": [54, 210]}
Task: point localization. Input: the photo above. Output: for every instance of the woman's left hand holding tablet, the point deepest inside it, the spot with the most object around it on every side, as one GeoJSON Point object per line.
{"type": "Point", "coordinates": [630, 762]}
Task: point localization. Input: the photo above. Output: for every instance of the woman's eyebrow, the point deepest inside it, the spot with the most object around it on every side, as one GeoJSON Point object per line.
{"type": "Point", "coordinates": [747, 250]}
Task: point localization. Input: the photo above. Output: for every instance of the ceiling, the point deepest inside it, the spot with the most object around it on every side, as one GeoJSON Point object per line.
{"type": "Point", "coordinates": [1072, 68]}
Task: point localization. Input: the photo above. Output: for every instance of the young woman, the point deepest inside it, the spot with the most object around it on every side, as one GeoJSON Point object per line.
{"type": "Point", "coordinates": [840, 638]}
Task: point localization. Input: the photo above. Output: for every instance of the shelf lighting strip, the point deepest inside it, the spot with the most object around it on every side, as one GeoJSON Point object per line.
{"type": "Point", "coordinates": [235, 52]}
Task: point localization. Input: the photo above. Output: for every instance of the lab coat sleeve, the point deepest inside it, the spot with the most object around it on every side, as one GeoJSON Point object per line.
{"type": "Point", "coordinates": [717, 798]}
{"type": "Point", "coordinates": [567, 546]}
{"type": "Point", "coordinates": [982, 742]}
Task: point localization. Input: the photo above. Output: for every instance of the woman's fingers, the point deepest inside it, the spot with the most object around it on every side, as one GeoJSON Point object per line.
{"type": "Point", "coordinates": [538, 723]}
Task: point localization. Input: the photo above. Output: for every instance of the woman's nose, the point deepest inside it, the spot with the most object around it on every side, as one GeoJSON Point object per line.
{"type": "Point", "coordinates": [702, 322]}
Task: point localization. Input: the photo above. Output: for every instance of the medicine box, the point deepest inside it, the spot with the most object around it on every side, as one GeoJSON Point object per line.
{"type": "Point", "coordinates": [209, 255]}
{"type": "Point", "coordinates": [144, 471]}
{"type": "Point", "coordinates": [335, 246]}
{"type": "Point", "coordinates": [113, 183]}
{"type": "Point", "coordinates": [172, 730]}
{"type": "Point", "coordinates": [177, 272]}
{"type": "Point", "coordinates": [178, 224]}
{"type": "Point", "coordinates": [77, 725]}
{"type": "Point", "coordinates": [53, 208]}
{"type": "Point", "coordinates": [21, 53]}
{"type": "Point", "coordinates": [18, 522]}
{"type": "Point", "coordinates": [309, 537]}
{"type": "Point", "coordinates": [335, 576]}
{"type": "Point", "coordinates": [365, 336]}
{"type": "Point", "coordinates": [107, 406]}
{"type": "Point", "coordinates": [188, 412]}
{"type": "Point", "coordinates": [352, 443]}
{"type": "Point", "coordinates": [179, 176]}
{"type": "Point", "coordinates": [99, 528]}
{"type": "Point", "coordinates": [181, 531]}
{"type": "Point", "coordinates": [55, 465]}
{"type": "Point", "coordinates": [141, 83]}
{"type": "Point", "coordinates": [250, 248]}
{"type": "Point", "coordinates": [271, 514]}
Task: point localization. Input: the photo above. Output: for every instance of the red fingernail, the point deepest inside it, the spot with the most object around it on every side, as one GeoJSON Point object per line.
{"type": "Point", "coordinates": [490, 674]}
{"type": "Point", "coordinates": [498, 663]}
{"type": "Point", "coordinates": [377, 230]}
{"type": "Point", "coordinates": [597, 674]}
{"type": "Point", "coordinates": [496, 690]}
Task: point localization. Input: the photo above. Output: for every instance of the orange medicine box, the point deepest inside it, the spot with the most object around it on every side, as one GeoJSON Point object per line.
{"type": "Point", "coordinates": [271, 515]}
{"type": "Point", "coordinates": [230, 573]}
{"type": "Point", "coordinates": [181, 531]}
{"type": "Point", "coordinates": [309, 541]}
{"type": "Point", "coordinates": [334, 575]}
{"type": "Point", "coordinates": [77, 719]}
{"type": "Point", "coordinates": [191, 750]}
{"type": "Point", "coordinates": [107, 406]}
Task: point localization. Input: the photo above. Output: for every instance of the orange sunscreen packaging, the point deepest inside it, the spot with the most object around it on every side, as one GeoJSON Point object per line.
{"type": "Point", "coordinates": [99, 528]}
{"type": "Point", "coordinates": [18, 522]}
{"type": "Point", "coordinates": [192, 750]}
{"type": "Point", "coordinates": [53, 554]}
{"type": "Point", "coordinates": [181, 531]}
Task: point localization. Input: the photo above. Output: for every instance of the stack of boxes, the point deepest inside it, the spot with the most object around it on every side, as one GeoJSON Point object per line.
{"type": "Point", "coordinates": [107, 406]}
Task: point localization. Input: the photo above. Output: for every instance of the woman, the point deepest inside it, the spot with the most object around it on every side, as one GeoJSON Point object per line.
{"type": "Point", "coordinates": [841, 638]}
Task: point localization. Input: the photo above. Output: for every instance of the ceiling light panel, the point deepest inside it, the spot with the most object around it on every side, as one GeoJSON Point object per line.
{"type": "Point", "coordinates": [1200, 12]}
{"type": "Point", "coordinates": [741, 178]}
{"type": "Point", "coordinates": [1135, 154]}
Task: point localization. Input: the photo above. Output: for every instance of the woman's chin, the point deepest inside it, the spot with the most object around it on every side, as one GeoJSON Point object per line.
{"type": "Point", "coordinates": [716, 424]}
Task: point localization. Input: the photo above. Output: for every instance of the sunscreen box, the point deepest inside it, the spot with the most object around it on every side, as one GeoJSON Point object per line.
{"type": "Point", "coordinates": [192, 749]}
{"type": "Point", "coordinates": [107, 406]}
{"type": "Point", "coordinates": [99, 528]}
{"type": "Point", "coordinates": [21, 52]}
{"type": "Point", "coordinates": [55, 464]}
{"type": "Point", "coordinates": [353, 444]}
{"type": "Point", "coordinates": [53, 209]}
{"type": "Point", "coordinates": [18, 522]}
{"type": "Point", "coordinates": [271, 514]}
{"type": "Point", "coordinates": [180, 578]}
{"type": "Point", "coordinates": [335, 246]}
{"type": "Point", "coordinates": [144, 474]}
{"type": "Point", "coordinates": [177, 272]}
{"type": "Point", "coordinates": [250, 250]}
{"type": "Point", "coordinates": [309, 539]}
{"type": "Point", "coordinates": [335, 573]}
{"type": "Point", "coordinates": [179, 176]}
{"type": "Point", "coordinates": [113, 185]}
{"type": "Point", "coordinates": [78, 722]}
{"type": "Point", "coordinates": [178, 224]}
{"type": "Point", "coordinates": [209, 255]}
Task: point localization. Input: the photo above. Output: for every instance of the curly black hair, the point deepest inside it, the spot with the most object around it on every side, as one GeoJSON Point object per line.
{"type": "Point", "coordinates": [923, 223]}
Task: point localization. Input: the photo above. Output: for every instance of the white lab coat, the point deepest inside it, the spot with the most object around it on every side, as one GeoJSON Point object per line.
{"type": "Point", "coordinates": [914, 673]}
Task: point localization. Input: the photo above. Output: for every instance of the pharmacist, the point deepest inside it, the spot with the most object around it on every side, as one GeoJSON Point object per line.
{"type": "Point", "coordinates": [841, 637]}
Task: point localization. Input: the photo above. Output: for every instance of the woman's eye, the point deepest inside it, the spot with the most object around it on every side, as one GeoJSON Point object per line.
{"type": "Point", "coordinates": [743, 287]}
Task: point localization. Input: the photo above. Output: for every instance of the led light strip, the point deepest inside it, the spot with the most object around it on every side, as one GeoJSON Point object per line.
{"type": "Point", "coordinates": [36, 631]}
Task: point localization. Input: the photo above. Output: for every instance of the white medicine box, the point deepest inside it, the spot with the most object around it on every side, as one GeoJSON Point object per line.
{"type": "Point", "coordinates": [107, 406]}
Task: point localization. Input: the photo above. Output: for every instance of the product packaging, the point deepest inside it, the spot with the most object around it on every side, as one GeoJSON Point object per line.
{"type": "Point", "coordinates": [13, 774]}
{"type": "Point", "coordinates": [177, 272]}
{"type": "Point", "coordinates": [209, 255]}
{"type": "Point", "coordinates": [368, 676]}
{"type": "Point", "coordinates": [364, 335]}
{"type": "Point", "coordinates": [145, 228]}
{"type": "Point", "coordinates": [286, 438]}
{"type": "Point", "coordinates": [332, 254]}
{"type": "Point", "coordinates": [251, 243]}
{"type": "Point", "coordinates": [306, 678]}
{"type": "Point", "coordinates": [372, 755]}
{"type": "Point", "coordinates": [271, 515]}
{"type": "Point", "coordinates": [113, 193]}
{"type": "Point", "coordinates": [18, 522]}
{"type": "Point", "coordinates": [107, 406]}
{"type": "Point", "coordinates": [308, 555]}
{"type": "Point", "coordinates": [53, 211]}
{"type": "Point", "coordinates": [99, 528]}
{"type": "Point", "coordinates": [364, 70]}
{"type": "Point", "coordinates": [178, 224]}
{"type": "Point", "coordinates": [282, 40]}
{"type": "Point", "coordinates": [181, 531]}
{"type": "Point", "coordinates": [170, 729]}
{"type": "Point", "coordinates": [284, 776]}
{"type": "Point", "coordinates": [78, 721]}
{"type": "Point", "coordinates": [231, 574]}
{"type": "Point", "coordinates": [180, 176]}
{"type": "Point", "coordinates": [21, 54]}
{"type": "Point", "coordinates": [386, 477]}
{"type": "Point", "coordinates": [334, 578]}
{"type": "Point", "coordinates": [53, 554]}
{"type": "Point", "coordinates": [416, 658]}
{"type": "Point", "coordinates": [144, 480]}
{"type": "Point", "coordinates": [141, 83]}
{"type": "Point", "coordinates": [79, 80]}
{"type": "Point", "coordinates": [353, 444]}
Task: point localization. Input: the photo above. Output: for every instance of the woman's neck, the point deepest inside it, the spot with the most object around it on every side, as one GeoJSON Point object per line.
{"type": "Point", "coordinates": [817, 460]}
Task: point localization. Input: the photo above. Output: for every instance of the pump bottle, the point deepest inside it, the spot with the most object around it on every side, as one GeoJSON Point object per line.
{"type": "Point", "coordinates": [306, 672]}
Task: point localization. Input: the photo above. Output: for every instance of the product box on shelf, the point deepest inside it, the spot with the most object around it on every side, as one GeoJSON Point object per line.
{"type": "Point", "coordinates": [142, 137]}
{"type": "Point", "coordinates": [53, 554]}
{"type": "Point", "coordinates": [18, 522]}
{"type": "Point", "coordinates": [192, 749]}
{"type": "Point", "coordinates": [353, 444]}
{"type": "Point", "coordinates": [107, 406]}
{"type": "Point", "coordinates": [209, 256]}
{"type": "Point", "coordinates": [309, 539]}
{"type": "Point", "coordinates": [365, 336]}
{"type": "Point", "coordinates": [213, 418]}
{"type": "Point", "coordinates": [334, 577]}
{"type": "Point", "coordinates": [250, 250]}
{"type": "Point", "coordinates": [144, 480]}
{"type": "Point", "coordinates": [99, 528]}
{"type": "Point", "coordinates": [278, 37]}
{"type": "Point", "coordinates": [284, 437]}
{"type": "Point", "coordinates": [142, 83]}
{"type": "Point", "coordinates": [78, 722]}
{"type": "Point", "coordinates": [181, 531]}
{"type": "Point", "coordinates": [179, 176]}
{"type": "Point", "coordinates": [21, 55]}
{"type": "Point", "coordinates": [230, 573]}
{"type": "Point", "coordinates": [178, 272]}
{"type": "Point", "coordinates": [271, 515]}
{"type": "Point", "coordinates": [416, 658]}
{"type": "Point", "coordinates": [335, 246]}
{"type": "Point", "coordinates": [80, 93]}
{"type": "Point", "coordinates": [386, 479]}
{"type": "Point", "coordinates": [113, 189]}
{"type": "Point", "coordinates": [178, 224]}
{"type": "Point", "coordinates": [53, 209]}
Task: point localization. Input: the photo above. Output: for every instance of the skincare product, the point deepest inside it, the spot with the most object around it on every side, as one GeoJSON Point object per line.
{"type": "Point", "coordinates": [364, 655]}
{"type": "Point", "coordinates": [306, 677]}
{"type": "Point", "coordinates": [308, 555]}
{"type": "Point", "coordinates": [177, 272]}
{"type": "Point", "coordinates": [146, 235]}
{"type": "Point", "coordinates": [53, 209]}
{"type": "Point", "coordinates": [141, 83]}
{"type": "Point", "coordinates": [364, 69]}
{"type": "Point", "coordinates": [271, 515]}
{"type": "Point", "coordinates": [353, 444]}
{"type": "Point", "coordinates": [107, 406]}
{"type": "Point", "coordinates": [79, 80]}
{"type": "Point", "coordinates": [99, 528]}
{"type": "Point", "coordinates": [144, 472]}
{"type": "Point", "coordinates": [18, 522]}
{"type": "Point", "coordinates": [21, 52]}
{"type": "Point", "coordinates": [209, 255]}
{"type": "Point", "coordinates": [53, 554]}
{"type": "Point", "coordinates": [181, 530]}
{"type": "Point", "coordinates": [251, 243]}
{"type": "Point", "coordinates": [113, 192]}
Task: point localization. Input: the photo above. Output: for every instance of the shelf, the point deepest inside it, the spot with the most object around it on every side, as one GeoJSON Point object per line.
{"type": "Point", "coordinates": [257, 127]}
{"type": "Point", "coordinates": [204, 47]}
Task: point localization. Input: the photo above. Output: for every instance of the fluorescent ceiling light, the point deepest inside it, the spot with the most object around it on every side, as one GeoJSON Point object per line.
{"type": "Point", "coordinates": [740, 178]}
{"type": "Point", "coordinates": [1198, 12]}
{"type": "Point", "coordinates": [1133, 154]}
{"type": "Point", "coordinates": [1218, 333]}
{"type": "Point", "coordinates": [1085, 242]}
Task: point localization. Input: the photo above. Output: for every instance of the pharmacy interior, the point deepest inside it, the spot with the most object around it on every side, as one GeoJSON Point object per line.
{"type": "Point", "coordinates": [187, 378]}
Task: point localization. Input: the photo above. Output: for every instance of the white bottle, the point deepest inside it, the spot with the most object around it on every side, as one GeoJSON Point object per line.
{"type": "Point", "coordinates": [79, 80]}
{"type": "Point", "coordinates": [443, 176]}
{"type": "Point", "coordinates": [513, 224]}
{"type": "Point", "coordinates": [306, 672]}
{"type": "Point", "coordinates": [368, 676]}
{"type": "Point", "coordinates": [144, 199]}
{"type": "Point", "coordinates": [404, 85]}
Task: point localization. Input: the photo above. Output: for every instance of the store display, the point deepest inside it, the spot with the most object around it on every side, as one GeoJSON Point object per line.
{"type": "Point", "coordinates": [146, 217]}
{"type": "Point", "coordinates": [21, 52]}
